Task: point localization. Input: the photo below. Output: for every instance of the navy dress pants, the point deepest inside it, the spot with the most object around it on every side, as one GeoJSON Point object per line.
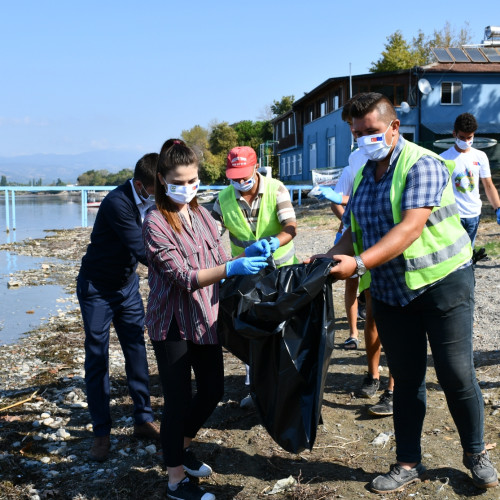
{"type": "Point", "coordinates": [123, 308]}
{"type": "Point", "coordinates": [442, 316]}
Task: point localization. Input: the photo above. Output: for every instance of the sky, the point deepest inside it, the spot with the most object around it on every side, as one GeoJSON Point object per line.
{"type": "Point", "coordinates": [80, 76]}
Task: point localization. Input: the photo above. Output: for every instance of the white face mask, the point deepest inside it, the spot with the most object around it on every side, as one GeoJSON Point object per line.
{"type": "Point", "coordinates": [149, 199]}
{"type": "Point", "coordinates": [245, 185]}
{"type": "Point", "coordinates": [182, 194]}
{"type": "Point", "coordinates": [464, 144]}
{"type": "Point", "coordinates": [375, 146]}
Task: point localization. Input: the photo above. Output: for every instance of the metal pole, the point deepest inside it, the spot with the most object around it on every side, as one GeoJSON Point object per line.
{"type": "Point", "coordinates": [84, 208]}
{"type": "Point", "coordinates": [7, 215]}
{"type": "Point", "coordinates": [13, 210]}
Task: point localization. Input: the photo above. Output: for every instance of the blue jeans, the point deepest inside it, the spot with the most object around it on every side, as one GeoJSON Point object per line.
{"type": "Point", "coordinates": [442, 315]}
{"type": "Point", "coordinates": [125, 310]}
{"type": "Point", "coordinates": [470, 224]}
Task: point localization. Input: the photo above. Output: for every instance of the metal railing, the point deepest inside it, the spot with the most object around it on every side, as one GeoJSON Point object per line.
{"type": "Point", "coordinates": [10, 197]}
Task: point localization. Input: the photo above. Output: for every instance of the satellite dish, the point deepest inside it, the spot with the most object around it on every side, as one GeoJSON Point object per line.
{"type": "Point", "coordinates": [405, 107]}
{"type": "Point", "coordinates": [424, 86]}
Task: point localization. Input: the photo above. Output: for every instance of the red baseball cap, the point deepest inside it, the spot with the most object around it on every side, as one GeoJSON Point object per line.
{"type": "Point", "coordinates": [240, 162]}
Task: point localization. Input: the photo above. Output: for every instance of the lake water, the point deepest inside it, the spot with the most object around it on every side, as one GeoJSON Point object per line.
{"type": "Point", "coordinates": [36, 214]}
{"type": "Point", "coordinates": [23, 309]}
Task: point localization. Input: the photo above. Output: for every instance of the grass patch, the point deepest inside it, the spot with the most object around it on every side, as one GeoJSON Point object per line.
{"type": "Point", "coordinates": [492, 248]}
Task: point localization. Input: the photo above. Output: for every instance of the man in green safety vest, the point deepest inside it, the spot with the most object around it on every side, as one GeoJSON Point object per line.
{"type": "Point", "coordinates": [405, 236]}
{"type": "Point", "coordinates": [252, 208]}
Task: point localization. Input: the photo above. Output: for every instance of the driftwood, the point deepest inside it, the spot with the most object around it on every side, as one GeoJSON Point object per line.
{"type": "Point", "coordinates": [19, 402]}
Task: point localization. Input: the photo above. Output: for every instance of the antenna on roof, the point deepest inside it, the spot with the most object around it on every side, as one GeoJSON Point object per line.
{"type": "Point", "coordinates": [424, 86]}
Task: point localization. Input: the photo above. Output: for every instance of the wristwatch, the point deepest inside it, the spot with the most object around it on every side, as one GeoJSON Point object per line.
{"type": "Point", "coordinates": [360, 266]}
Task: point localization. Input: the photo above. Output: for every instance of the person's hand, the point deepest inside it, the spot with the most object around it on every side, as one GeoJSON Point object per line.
{"type": "Point", "coordinates": [308, 260]}
{"type": "Point", "coordinates": [329, 194]}
{"type": "Point", "coordinates": [337, 237]}
{"type": "Point", "coordinates": [345, 268]}
{"type": "Point", "coordinates": [260, 248]}
{"type": "Point", "coordinates": [498, 215]}
{"type": "Point", "coordinates": [245, 266]}
{"type": "Point", "coordinates": [274, 243]}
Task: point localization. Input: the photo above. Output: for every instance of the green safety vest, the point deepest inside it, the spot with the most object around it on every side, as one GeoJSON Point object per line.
{"type": "Point", "coordinates": [267, 222]}
{"type": "Point", "coordinates": [443, 246]}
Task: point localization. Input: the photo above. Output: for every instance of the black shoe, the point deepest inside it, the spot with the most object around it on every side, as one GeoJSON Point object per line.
{"type": "Point", "coordinates": [397, 478]}
{"type": "Point", "coordinates": [384, 406]}
{"type": "Point", "coordinates": [186, 490]}
{"type": "Point", "coordinates": [193, 466]}
{"type": "Point", "coordinates": [483, 473]}
{"type": "Point", "coordinates": [369, 387]}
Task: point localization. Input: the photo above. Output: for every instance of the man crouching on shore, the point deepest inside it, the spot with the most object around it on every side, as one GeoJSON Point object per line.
{"type": "Point", "coordinates": [108, 291]}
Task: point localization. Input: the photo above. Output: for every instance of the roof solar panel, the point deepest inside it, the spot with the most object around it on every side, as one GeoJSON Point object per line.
{"type": "Point", "coordinates": [475, 54]}
{"type": "Point", "coordinates": [442, 55]}
{"type": "Point", "coordinates": [491, 53]}
{"type": "Point", "coordinates": [458, 54]}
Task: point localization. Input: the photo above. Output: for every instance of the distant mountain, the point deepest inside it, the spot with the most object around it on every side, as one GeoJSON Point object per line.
{"type": "Point", "coordinates": [51, 167]}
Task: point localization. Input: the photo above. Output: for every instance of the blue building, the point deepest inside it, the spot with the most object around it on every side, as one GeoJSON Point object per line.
{"type": "Point", "coordinates": [427, 100]}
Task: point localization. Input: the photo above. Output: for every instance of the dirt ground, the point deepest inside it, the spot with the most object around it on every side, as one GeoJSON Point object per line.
{"type": "Point", "coordinates": [245, 460]}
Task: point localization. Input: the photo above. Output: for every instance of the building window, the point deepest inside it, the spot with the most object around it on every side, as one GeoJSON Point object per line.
{"type": "Point", "coordinates": [312, 156]}
{"type": "Point", "coordinates": [283, 129]}
{"type": "Point", "coordinates": [282, 166]}
{"type": "Point", "coordinates": [288, 163]}
{"type": "Point", "coordinates": [310, 114]}
{"type": "Point", "coordinates": [299, 164]}
{"type": "Point", "coordinates": [322, 108]}
{"type": "Point", "coordinates": [451, 93]}
{"type": "Point", "coordinates": [294, 165]}
{"type": "Point", "coordinates": [331, 151]}
{"type": "Point", "coordinates": [290, 125]}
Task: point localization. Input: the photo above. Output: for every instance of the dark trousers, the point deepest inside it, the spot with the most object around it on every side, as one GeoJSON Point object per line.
{"type": "Point", "coordinates": [124, 308]}
{"type": "Point", "coordinates": [442, 315]}
{"type": "Point", "coordinates": [183, 413]}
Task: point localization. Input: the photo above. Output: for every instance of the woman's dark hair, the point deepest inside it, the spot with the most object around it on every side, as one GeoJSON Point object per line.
{"type": "Point", "coordinates": [174, 153]}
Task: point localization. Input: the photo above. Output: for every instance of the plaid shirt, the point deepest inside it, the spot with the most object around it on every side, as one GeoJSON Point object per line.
{"type": "Point", "coordinates": [372, 208]}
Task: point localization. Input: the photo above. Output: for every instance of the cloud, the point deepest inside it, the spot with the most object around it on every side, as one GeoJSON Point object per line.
{"type": "Point", "coordinates": [25, 121]}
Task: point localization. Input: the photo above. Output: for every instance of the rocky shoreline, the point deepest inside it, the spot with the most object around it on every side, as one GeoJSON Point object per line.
{"type": "Point", "coordinates": [46, 432]}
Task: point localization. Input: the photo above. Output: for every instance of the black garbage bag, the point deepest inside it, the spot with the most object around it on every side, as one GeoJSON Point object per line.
{"type": "Point", "coordinates": [281, 323]}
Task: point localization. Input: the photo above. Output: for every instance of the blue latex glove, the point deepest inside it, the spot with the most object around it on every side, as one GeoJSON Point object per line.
{"type": "Point", "coordinates": [337, 237]}
{"type": "Point", "coordinates": [498, 215]}
{"type": "Point", "coordinates": [329, 194]}
{"type": "Point", "coordinates": [274, 243]}
{"type": "Point", "coordinates": [245, 265]}
{"type": "Point", "coordinates": [260, 248]}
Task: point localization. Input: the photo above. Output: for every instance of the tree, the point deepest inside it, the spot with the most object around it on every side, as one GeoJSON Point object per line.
{"type": "Point", "coordinates": [93, 178]}
{"type": "Point", "coordinates": [222, 138]}
{"type": "Point", "coordinates": [400, 54]}
{"type": "Point", "coordinates": [197, 139]}
{"type": "Point", "coordinates": [3, 182]}
{"type": "Point", "coordinates": [253, 133]}
{"type": "Point", "coordinates": [280, 107]}
{"type": "Point", "coordinates": [397, 55]}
